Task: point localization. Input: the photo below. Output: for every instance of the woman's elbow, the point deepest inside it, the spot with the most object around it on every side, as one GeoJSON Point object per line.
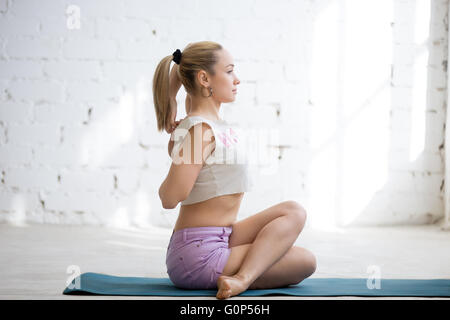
{"type": "Point", "coordinates": [168, 205]}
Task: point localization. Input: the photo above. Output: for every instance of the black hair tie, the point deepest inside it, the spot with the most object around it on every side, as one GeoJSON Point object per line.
{"type": "Point", "coordinates": [177, 56]}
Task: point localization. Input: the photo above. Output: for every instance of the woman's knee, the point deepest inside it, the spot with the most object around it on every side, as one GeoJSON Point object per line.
{"type": "Point", "coordinates": [306, 263]}
{"type": "Point", "coordinates": [296, 212]}
{"type": "Point", "coordinates": [309, 262]}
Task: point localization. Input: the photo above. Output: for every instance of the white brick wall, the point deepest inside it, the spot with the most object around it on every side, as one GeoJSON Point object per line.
{"type": "Point", "coordinates": [341, 87]}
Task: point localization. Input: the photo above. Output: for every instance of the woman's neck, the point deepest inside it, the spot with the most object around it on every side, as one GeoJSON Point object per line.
{"type": "Point", "coordinates": [206, 108]}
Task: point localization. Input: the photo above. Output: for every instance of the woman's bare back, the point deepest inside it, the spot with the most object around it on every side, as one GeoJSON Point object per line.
{"type": "Point", "coordinates": [220, 211]}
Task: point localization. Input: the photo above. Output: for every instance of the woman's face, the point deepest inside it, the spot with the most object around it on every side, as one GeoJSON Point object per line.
{"type": "Point", "coordinates": [224, 83]}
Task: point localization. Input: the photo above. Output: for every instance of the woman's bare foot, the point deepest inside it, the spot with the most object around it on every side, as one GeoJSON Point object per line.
{"type": "Point", "coordinates": [231, 286]}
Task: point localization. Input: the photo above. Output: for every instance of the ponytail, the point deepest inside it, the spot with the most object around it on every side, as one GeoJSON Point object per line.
{"type": "Point", "coordinates": [161, 92]}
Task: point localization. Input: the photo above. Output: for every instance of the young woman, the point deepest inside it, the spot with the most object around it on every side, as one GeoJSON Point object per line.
{"type": "Point", "coordinates": [208, 247]}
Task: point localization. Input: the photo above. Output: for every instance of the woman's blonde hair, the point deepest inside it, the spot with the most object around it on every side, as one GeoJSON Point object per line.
{"type": "Point", "coordinates": [195, 57]}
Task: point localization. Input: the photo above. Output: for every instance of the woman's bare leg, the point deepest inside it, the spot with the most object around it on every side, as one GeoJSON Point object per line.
{"type": "Point", "coordinates": [270, 244]}
{"type": "Point", "coordinates": [292, 268]}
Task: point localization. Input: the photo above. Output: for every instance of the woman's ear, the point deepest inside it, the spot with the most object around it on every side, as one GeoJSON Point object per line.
{"type": "Point", "coordinates": [202, 78]}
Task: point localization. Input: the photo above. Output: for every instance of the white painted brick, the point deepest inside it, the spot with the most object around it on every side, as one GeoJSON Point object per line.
{"type": "Point", "coordinates": [62, 114]}
{"type": "Point", "coordinates": [20, 69]}
{"type": "Point", "coordinates": [12, 155]}
{"type": "Point", "coordinates": [401, 97]}
{"type": "Point", "coordinates": [128, 71]}
{"type": "Point", "coordinates": [73, 70]}
{"type": "Point", "coordinates": [31, 178]}
{"type": "Point", "coordinates": [89, 48]}
{"type": "Point", "coordinates": [80, 137]}
{"type": "Point", "coordinates": [245, 95]}
{"type": "Point", "coordinates": [158, 158]}
{"type": "Point", "coordinates": [185, 28]}
{"type": "Point", "coordinates": [435, 123]}
{"type": "Point", "coordinates": [150, 137]}
{"type": "Point", "coordinates": [33, 47]}
{"type": "Point", "coordinates": [160, 28]}
{"type": "Point", "coordinates": [108, 135]}
{"type": "Point", "coordinates": [403, 54]}
{"type": "Point", "coordinates": [17, 26]}
{"type": "Point", "coordinates": [256, 71]}
{"type": "Point", "coordinates": [399, 161]}
{"type": "Point", "coordinates": [34, 134]}
{"type": "Point", "coordinates": [18, 201]}
{"type": "Point", "coordinates": [4, 94]}
{"type": "Point", "coordinates": [401, 119]}
{"type": "Point", "coordinates": [428, 183]}
{"type": "Point", "coordinates": [137, 49]}
{"type": "Point", "coordinates": [151, 180]}
{"type": "Point", "coordinates": [403, 33]}
{"type": "Point", "coordinates": [103, 111]}
{"type": "Point", "coordinates": [61, 156]}
{"type": "Point", "coordinates": [101, 203]}
{"type": "Point", "coordinates": [436, 76]}
{"type": "Point", "coordinates": [404, 11]}
{"type": "Point", "coordinates": [127, 179]}
{"type": "Point", "coordinates": [225, 10]}
{"type": "Point", "coordinates": [86, 180]}
{"type": "Point", "coordinates": [283, 9]}
{"type": "Point", "coordinates": [3, 138]}
{"type": "Point", "coordinates": [436, 101]}
{"type": "Point", "coordinates": [403, 76]}
{"type": "Point", "coordinates": [248, 71]}
{"type": "Point", "coordinates": [414, 207]}
{"type": "Point", "coordinates": [34, 90]}
{"type": "Point", "coordinates": [3, 5]}
{"type": "Point", "coordinates": [145, 9]}
{"type": "Point", "coordinates": [44, 8]}
{"type": "Point", "coordinates": [64, 26]}
{"type": "Point", "coordinates": [268, 92]}
{"type": "Point", "coordinates": [433, 141]}
{"type": "Point", "coordinates": [126, 156]}
{"type": "Point", "coordinates": [92, 91]}
{"type": "Point", "coordinates": [123, 28]}
{"type": "Point", "coordinates": [261, 29]}
{"type": "Point", "coordinates": [261, 115]}
{"type": "Point", "coordinates": [102, 8]}
{"type": "Point", "coordinates": [124, 214]}
{"type": "Point", "coordinates": [15, 112]}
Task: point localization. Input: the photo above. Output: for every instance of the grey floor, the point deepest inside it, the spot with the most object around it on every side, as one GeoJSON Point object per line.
{"type": "Point", "coordinates": [36, 260]}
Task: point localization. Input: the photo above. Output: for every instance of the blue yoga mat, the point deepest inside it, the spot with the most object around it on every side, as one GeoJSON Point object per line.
{"type": "Point", "coordinates": [103, 284]}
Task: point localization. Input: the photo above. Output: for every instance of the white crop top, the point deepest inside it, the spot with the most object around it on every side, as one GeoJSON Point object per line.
{"type": "Point", "coordinates": [226, 170]}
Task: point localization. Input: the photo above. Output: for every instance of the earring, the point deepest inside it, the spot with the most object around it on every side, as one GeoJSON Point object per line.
{"type": "Point", "coordinates": [210, 92]}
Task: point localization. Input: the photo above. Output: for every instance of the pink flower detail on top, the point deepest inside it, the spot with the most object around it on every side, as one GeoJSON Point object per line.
{"type": "Point", "coordinates": [228, 139]}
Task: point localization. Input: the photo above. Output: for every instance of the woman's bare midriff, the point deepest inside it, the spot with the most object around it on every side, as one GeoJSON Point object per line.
{"type": "Point", "coordinates": [220, 211]}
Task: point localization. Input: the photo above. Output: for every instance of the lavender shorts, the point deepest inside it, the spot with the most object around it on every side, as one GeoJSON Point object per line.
{"type": "Point", "coordinates": [197, 256]}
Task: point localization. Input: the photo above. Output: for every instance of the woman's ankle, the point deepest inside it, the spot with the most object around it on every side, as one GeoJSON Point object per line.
{"type": "Point", "coordinates": [245, 278]}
